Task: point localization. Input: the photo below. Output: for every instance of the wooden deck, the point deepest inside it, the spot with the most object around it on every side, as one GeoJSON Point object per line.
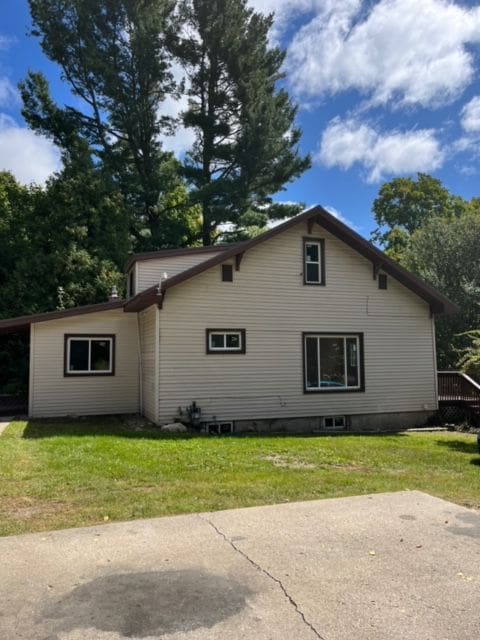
{"type": "Point", "coordinates": [456, 389]}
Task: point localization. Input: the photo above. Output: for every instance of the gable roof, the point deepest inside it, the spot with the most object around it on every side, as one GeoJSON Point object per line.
{"type": "Point", "coordinates": [22, 323]}
{"type": "Point", "coordinates": [170, 253]}
{"type": "Point", "coordinates": [317, 215]}
{"type": "Point", "coordinates": [437, 301]}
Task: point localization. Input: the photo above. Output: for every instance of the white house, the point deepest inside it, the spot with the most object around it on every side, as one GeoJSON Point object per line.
{"type": "Point", "coordinates": [305, 327]}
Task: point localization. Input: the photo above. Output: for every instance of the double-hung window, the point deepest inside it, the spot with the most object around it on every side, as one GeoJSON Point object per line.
{"type": "Point", "coordinates": [89, 355]}
{"type": "Point", "coordinates": [333, 362]}
{"type": "Point", "coordinates": [226, 341]}
{"type": "Point", "coordinates": [314, 261]}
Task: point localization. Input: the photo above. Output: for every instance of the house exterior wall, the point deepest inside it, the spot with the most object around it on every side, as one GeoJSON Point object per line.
{"type": "Point", "coordinates": [53, 394]}
{"type": "Point", "coordinates": [269, 300]}
{"type": "Point", "coordinates": [148, 324]}
{"type": "Point", "coordinates": [149, 272]}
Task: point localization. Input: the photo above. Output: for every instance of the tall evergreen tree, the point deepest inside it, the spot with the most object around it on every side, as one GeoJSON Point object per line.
{"type": "Point", "coordinates": [246, 141]}
{"type": "Point", "coordinates": [114, 55]}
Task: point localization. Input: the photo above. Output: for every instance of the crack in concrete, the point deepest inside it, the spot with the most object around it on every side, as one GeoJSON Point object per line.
{"type": "Point", "coordinates": [269, 575]}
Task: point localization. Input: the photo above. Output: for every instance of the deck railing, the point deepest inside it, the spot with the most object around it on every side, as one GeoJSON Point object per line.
{"type": "Point", "coordinates": [457, 387]}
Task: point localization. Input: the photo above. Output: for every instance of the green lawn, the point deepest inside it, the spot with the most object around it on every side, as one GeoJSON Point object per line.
{"type": "Point", "coordinates": [65, 474]}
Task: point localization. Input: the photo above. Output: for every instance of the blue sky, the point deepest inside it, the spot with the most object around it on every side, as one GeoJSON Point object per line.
{"type": "Point", "coordinates": [386, 88]}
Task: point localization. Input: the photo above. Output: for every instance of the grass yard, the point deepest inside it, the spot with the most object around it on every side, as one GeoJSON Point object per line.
{"type": "Point", "coordinates": [66, 474]}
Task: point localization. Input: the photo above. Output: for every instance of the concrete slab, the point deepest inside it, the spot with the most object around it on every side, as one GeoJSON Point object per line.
{"type": "Point", "coordinates": [4, 422]}
{"type": "Point", "coordinates": [389, 566]}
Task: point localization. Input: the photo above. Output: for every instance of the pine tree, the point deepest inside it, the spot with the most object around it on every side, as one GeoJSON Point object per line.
{"type": "Point", "coordinates": [114, 55]}
{"type": "Point", "coordinates": [246, 144]}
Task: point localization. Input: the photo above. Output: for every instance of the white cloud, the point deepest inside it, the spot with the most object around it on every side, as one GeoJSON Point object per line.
{"type": "Point", "coordinates": [406, 52]}
{"type": "Point", "coordinates": [30, 157]}
{"type": "Point", "coordinates": [336, 214]}
{"type": "Point", "coordinates": [471, 115]}
{"type": "Point", "coordinates": [348, 142]}
{"type": "Point", "coordinates": [5, 42]}
{"type": "Point", "coordinates": [183, 138]}
{"type": "Point", "coordinates": [8, 93]}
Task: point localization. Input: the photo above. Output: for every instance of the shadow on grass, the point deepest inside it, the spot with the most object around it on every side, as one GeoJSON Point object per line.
{"type": "Point", "coordinates": [459, 445]}
{"type": "Point", "coordinates": [120, 427]}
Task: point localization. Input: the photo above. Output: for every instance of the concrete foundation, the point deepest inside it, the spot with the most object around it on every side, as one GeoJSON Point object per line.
{"type": "Point", "coordinates": [374, 422]}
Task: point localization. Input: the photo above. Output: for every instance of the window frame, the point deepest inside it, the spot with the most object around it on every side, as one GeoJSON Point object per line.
{"type": "Point", "coordinates": [227, 272]}
{"type": "Point", "coordinates": [225, 350]}
{"type": "Point", "coordinates": [382, 281]}
{"type": "Point", "coordinates": [131, 283]}
{"type": "Point", "coordinates": [361, 360]}
{"type": "Point", "coordinates": [68, 337]}
{"type": "Point", "coordinates": [321, 262]}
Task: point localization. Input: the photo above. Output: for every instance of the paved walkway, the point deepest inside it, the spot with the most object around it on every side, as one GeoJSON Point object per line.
{"type": "Point", "coordinates": [391, 566]}
{"type": "Point", "coordinates": [4, 422]}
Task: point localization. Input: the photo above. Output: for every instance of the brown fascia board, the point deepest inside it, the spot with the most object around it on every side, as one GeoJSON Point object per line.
{"type": "Point", "coordinates": [143, 300]}
{"type": "Point", "coordinates": [22, 323]}
{"type": "Point", "coordinates": [438, 302]}
{"type": "Point", "coordinates": [169, 253]}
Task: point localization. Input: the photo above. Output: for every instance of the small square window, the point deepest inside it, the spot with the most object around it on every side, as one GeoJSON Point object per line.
{"type": "Point", "coordinates": [227, 273]}
{"type": "Point", "coordinates": [334, 422]}
{"type": "Point", "coordinates": [225, 341]}
{"type": "Point", "coordinates": [382, 281]}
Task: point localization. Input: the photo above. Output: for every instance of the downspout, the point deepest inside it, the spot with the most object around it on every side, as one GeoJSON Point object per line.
{"type": "Point", "coordinates": [140, 367]}
{"type": "Point", "coordinates": [435, 365]}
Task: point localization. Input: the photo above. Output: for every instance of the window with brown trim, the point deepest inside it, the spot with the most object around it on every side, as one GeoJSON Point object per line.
{"type": "Point", "coordinates": [227, 273]}
{"type": "Point", "coordinates": [333, 362]}
{"type": "Point", "coordinates": [226, 341]}
{"type": "Point", "coordinates": [314, 261]}
{"type": "Point", "coordinates": [382, 281]}
{"type": "Point", "coordinates": [89, 355]}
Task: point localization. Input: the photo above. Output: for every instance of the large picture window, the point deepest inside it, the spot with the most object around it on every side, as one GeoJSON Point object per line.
{"type": "Point", "coordinates": [89, 355]}
{"type": "Point", "coordinates": [333, 362]}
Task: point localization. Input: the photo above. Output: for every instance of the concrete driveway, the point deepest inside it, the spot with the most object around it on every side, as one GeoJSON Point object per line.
{"type": "Point", "coordinates": [403, 566]}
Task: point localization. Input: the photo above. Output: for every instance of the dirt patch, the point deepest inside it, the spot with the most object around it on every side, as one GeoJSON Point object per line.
{"type": "Point", "coordinates": [347, 467]}
{"type": "Point", "coordinates": [31, 509]}
{"type": "Point", "coordinates": [284, 462]}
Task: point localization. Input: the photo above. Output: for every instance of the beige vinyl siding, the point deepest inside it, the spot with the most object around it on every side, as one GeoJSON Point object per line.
{"type": "Point", "coordinates": [148, 321]}
{"type": "Point", "coordinates": [53, 394]}
{"type": "Point", "coordinates": [149, 272]}
{"type": "Point", "coordinates": [268, 300]}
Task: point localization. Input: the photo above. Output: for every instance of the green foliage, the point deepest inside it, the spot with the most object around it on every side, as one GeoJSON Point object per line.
{"type": "Point", "coordinates": [114, 55]}
{"type": "Point", "coordinates": [445, 252]}
{"type": "Point", "coordinates": [470, 360]}
{"type": "Point", "coordinates": [246, 142]}
{"type": "Point", "coordinates": [404, 205]}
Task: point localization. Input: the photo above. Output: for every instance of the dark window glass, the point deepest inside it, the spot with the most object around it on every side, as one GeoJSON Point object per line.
{"type": "Point", "coordinates": [217, 341]}
{"type": "Point", "coordinates": [131, 284]}
{"type": "Point", "coordinates": [312, 253]}
{"type": "Point", "coordinates": [100, 355]}
{"type": "Point", "coordinates": [332, 362]}
{"type": "Point", "coordinates": [382, 281]}
{"type": "Point", "coordinates": [227, 273]}
{"type": "Point", "coordinates": [352, 362]}
{"type": "Point", "coordinates": [78, 355]}
{"type": "Point", "coordinates": [233, 341]}
{"type": "Point", "coordinates": [313, 272]}
{"type": "Point", "coordinates": [311, 356]}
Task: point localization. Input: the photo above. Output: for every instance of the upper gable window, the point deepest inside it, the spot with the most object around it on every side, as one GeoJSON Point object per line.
{"type": "Point", "coordinates": [314, 261]}
{"type": "Point", "coordinates": [131, 284]}
{"type": "Point", "coordinates": [227, 273]}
